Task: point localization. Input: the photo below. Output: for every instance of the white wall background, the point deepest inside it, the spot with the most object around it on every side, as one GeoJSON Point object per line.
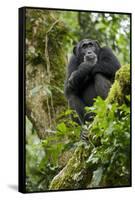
{"type": "Point", "coordinates": [9, 98]}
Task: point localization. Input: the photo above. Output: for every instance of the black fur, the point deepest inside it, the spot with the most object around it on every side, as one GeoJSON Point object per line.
{"type": "Point", "coordinates": [91, 72]}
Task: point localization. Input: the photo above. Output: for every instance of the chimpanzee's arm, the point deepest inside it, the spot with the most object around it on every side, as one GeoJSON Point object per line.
{"type": "Point", "coordinates": [78, 78]}
{"type": "Point", "coordinates": [72, 66]}
{"type": "Point", "coordinates": [77, 75]}
{"type": "Point", "coordinates": [107, 63]}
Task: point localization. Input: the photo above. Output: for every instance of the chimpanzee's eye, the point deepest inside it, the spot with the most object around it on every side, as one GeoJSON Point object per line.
{"type": "Point", "coordinates": [90, 44]}
{"type": "Point", "coordinates": [84, 46]}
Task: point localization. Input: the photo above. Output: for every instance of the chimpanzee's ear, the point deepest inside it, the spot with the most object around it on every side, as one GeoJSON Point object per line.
{"type": "Point", "coordinates": [97, 43]}
{"type": "Point", "coordinates": [74, 50]}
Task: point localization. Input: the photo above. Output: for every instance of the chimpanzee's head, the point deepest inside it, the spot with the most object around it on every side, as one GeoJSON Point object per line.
{"type": "Point", "coordinates": [87, 51]}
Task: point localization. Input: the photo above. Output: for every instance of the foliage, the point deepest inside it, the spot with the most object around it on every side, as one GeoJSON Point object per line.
{"type": "Point", "coordinates": [112, 30]}
{"type": "Point", "coordinates": [104, 160]}
{"type": "Point", "coordinates": [45, 158]}
{"type": "Point", "coordinates": [111, 128]}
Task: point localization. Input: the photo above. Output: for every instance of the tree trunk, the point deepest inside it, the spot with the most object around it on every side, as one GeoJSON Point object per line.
{"type": "Point", "coordinates": [45, 69]}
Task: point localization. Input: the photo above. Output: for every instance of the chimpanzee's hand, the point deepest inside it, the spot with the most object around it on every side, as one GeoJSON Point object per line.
{"type": "Point", "coordinates": [80, 76]}
{"type": "Point", "coordinates": [86, 66]}
{"type": "Point", "coordinates": [72, 78]}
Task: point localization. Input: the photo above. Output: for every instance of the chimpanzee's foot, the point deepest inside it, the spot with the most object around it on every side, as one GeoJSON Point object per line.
{"type": "Point", "coordinates": [84, 136]}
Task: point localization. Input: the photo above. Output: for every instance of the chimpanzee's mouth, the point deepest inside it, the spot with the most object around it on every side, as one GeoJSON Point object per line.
{"type": "Point", "coordinates": [89, 57]}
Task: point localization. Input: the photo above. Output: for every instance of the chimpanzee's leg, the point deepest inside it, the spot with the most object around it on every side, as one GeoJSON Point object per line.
{"type": "Point", "coordinates": [102, 85]}
{"type": "Point", "coordinates": [77, 104]}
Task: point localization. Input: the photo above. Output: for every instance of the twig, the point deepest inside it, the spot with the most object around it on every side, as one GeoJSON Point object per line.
{"type": "Point", "coordinates": [46, 49]}
{"type": "Point", "coordinates": [49, 113]}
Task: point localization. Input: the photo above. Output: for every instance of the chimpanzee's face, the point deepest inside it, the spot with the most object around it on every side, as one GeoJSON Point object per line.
{"type": "Point", "coordinates": [87, 50]}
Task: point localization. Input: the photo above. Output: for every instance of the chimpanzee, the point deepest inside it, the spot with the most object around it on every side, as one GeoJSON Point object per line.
{"type": "Point", "coordinates": [90, 73]}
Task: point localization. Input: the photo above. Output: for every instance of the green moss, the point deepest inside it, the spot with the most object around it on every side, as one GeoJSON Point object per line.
{"type": "Point", "coordinates": [121, 86]}
{"type": "Point", "coordinates": [40, 24]}
{"type": "Point", "coordinates": [46, 61]}
{"type": "Point", "coordinates": [73, 176]}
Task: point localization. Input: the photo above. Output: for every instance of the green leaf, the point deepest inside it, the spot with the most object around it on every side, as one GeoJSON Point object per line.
{"type": "Point", "coordinates": [62, 128]}
{"type": "Point", "coordinates": [97, 176]}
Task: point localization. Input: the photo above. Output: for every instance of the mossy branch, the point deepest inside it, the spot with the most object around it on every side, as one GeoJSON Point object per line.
{"type": "Point", "coordinates": [77, 173]}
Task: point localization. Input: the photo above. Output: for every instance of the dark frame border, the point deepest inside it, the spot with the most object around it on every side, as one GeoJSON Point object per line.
{"type": "Point", "coordinates": [22, 98]}
{"type": "Point", "coordinates": [21, 103]}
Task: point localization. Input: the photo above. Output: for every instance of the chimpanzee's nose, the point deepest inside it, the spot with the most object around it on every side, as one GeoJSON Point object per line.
{"type": "Point", "coordinates": [89, 52]}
